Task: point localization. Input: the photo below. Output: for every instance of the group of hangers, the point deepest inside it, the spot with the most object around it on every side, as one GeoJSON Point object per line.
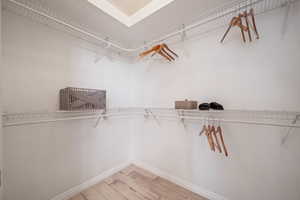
{"type": "Point", "coordinates": [213, 134]}
{"type": "Point", "coordinates": [238, 21]}
{"type": "Point", "coordinates": [168, 54]}
{"type": "Point", "coordinates": [161, 49]}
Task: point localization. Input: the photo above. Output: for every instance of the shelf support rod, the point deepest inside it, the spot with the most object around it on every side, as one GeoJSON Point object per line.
{"type": "Point", "coordinates": [284, 139]}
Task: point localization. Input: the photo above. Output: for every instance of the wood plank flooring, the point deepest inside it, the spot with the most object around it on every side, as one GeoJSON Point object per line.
{"type": "Point", "coordinates": [134, 183]}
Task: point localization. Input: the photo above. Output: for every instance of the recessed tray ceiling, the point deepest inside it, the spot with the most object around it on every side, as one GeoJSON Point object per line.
{"type": "Point", "coordinates": [130, 12]}
{"type": "Point", "coordinates": [129, 7]}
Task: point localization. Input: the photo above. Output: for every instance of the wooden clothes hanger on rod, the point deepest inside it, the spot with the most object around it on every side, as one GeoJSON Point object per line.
{"type": "Point", "coordinates": [245, 15]}
{"type": "Point", "coordinates": [161, 49]}
{"type": "Point", "coordinates": [206, 130]}
{"type": "Point", "coordinates": [210, 138]}
{"type": "Point", "coordinates": [220, 132]}
{"type": "Point", "coordinates": [166, 47]}
{"type": "Point", "coordinates": [212, 134]}
{"type": "Point", "coordinates": [251, 13]}
{"type": "Point", "coordinates": [238, 21]}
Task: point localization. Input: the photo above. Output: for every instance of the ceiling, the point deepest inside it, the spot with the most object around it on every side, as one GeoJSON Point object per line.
{"type": "Point", "coordinates": [165, 20]}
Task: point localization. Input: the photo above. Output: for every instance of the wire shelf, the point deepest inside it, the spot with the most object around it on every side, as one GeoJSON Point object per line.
{"type": "Point", "coordinates": [266, 118]}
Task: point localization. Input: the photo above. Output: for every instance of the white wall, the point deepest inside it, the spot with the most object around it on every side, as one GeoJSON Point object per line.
{"type": "Point", "coordinates": [263, 75]}
{"type": "Point", "coordinates": [1, 131]}
{"type": "Point", "coordinates": [42, 161]}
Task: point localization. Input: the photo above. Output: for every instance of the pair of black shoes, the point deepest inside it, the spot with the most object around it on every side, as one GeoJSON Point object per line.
{"type": "Point", "coordinates": [213, 106]}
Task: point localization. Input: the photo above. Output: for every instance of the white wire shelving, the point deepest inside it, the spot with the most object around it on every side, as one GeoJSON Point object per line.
{"type": "Point", "coordinates": [220, 14]}
{"type": "Point", "coordinates": [248, 117]}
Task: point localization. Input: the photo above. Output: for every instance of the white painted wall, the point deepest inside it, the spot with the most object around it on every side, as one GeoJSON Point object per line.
{"type": "Point", "coordinates": [42, 161]}
{"type": "Point", "coordinates": [263, 75]}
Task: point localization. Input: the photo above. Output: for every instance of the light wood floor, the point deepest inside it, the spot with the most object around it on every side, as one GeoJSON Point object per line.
{"type": "Point", "coordinates": [134, 183]}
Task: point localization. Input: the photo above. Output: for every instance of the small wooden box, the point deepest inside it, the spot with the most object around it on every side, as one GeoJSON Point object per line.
{"type": "Point", "coordinates": [82, 99]}
{"type": "Point", "coordinates": [186, 105]}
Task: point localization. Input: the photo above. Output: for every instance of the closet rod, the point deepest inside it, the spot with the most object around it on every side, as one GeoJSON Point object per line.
{"type": "Point", "coordinates": [67, 119]}
{"type": "Point", "coordinates": [238, 121]}
{"type": "Point", "coordinates": [216, 119]}
{"type": "Point", "coordinates": [144, 114]}
{"type": "Point", "coordinates": [168, 36]}
{"type": "Point", "coordinates": [48, 121]}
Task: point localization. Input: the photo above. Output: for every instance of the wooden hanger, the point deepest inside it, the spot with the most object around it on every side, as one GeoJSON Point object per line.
{"type": "Point", "coordinates": [245, 15]}
{"type": "Point", "coordinates": [166, 47]}
{"type": "Point", "coordinates": [153, 49]}
{"type": "Point", "coordinates": [166, 53]}
{"type": "Point", "coordinates": [163, 55]}
{"type": "Point", "coordinates": [219, 131]}
{"type": "Point", "coordinates": [235, 21]}
{"type": "Point", "coordinates": [242, 27]}
{"type": "Point", "coordinates": [214, 133]}
{"type": "Point", "coordinates": [228, 29]}
{"type": "Point", "coordinates": [254, 23]}
{"type": "Point", "coordinates": [238, 21]}
{"type": "Point", "coordinates": [206, 130]}
{"type": "Point", "coordinates": [161, 49]}
{"type": "Point", "coordinates": [210, 138]}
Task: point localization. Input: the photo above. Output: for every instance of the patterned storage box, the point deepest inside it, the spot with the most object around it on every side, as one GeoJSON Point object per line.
{"type": "Point", "coordinates": [82, 99]}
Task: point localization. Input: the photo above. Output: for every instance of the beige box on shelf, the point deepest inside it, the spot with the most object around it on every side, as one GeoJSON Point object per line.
{"type": "Point", "coordinates": [186, 105]}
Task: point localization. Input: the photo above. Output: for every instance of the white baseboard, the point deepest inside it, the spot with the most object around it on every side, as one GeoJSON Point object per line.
{"type": "Point", "coordinates": [185, 184]}
{"type": "Point", "coordinates": [79, 188]}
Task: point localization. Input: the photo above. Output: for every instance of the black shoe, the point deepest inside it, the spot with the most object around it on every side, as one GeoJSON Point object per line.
{"type": "Point", "coordinates": [216, 106]}
{"type": "Point", "coordinates": [204, 106]}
